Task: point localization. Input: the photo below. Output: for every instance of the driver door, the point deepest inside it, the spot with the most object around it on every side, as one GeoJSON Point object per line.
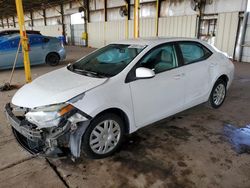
{"type": "Point", "coordinates": [161, 96]}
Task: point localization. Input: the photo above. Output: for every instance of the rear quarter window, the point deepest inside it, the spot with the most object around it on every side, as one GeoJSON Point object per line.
{"type": "Point", "coordinates": [193, 52]}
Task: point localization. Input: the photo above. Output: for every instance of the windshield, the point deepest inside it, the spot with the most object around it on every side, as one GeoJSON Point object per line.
{"type": "Point", "coordinates": [107, 61]}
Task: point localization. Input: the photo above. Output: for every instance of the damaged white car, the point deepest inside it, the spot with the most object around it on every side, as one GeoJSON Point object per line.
{"type": "Point", "coordinates": [91, 104]}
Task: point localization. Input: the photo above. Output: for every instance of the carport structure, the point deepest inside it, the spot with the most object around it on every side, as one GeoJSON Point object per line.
{"type": "Point", "coordinates": [8, 8]}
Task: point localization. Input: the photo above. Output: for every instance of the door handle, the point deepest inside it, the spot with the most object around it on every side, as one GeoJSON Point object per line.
{"type": "Point", "coordinates": [178, 76]}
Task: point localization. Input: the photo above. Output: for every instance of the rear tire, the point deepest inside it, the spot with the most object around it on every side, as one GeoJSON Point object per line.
{"type": "Point", "coordinates": [53, 59]}
{"type": "Point", "coordinates": [218, 94]}
{"type": "Point", "coordinates": [104, 136]}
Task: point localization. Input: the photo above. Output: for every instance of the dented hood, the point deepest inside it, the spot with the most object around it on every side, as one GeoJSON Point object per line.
{"type": "Point", "coordinates": [55, 87]}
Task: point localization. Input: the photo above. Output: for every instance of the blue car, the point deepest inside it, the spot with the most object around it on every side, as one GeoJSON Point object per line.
{"type": "Point", "coordinates": [43, 49]}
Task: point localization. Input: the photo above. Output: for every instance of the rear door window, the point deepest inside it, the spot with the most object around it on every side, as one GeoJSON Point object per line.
{"type": "Point", "coordinates": [160, 59]}
{"type": "Point", "coordinates": [193, 52]}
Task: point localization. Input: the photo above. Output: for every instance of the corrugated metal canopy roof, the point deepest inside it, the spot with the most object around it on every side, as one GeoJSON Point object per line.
{"type": "Point", "coordinates": [8, 7]}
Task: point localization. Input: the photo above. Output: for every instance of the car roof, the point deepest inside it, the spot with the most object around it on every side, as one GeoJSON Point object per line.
{"type": "Point", "coordinates": [149, 41]}
{"type": "Point", "coordinates": [154, 41]}
{"type": "Point", "coordinates": [17, 31]}
{"type": "Point", "coordinates": [14, 36]}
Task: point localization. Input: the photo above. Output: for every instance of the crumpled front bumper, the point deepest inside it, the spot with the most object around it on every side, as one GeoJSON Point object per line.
{"type": "Point", "coordinates": [24, 135]}
{"type": "Point", "coordinates": [33, 140]}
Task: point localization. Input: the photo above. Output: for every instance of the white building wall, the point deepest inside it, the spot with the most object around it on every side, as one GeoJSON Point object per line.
{"type": "Point", "coordinates": [176, 8]}
{"type": "Point", "coordinates": [147, 27]}
{"type": "Point", "coordinates": [76, 34]}
{"type": "Point", "coordinates": [178, 26]}
{"type": "Point", "coordinates": [223, 6]}
{"type": "Point", "coordinates": [50, 30]}
{"type": "Point", "coordinates": [96, 34]}
{"type": "Point", "coordinates": [226, 32]}
{"type": "Point", "coordinates": [182, 18]}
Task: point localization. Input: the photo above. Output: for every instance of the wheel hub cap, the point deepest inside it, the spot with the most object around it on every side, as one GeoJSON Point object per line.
{"type": "Point", "coordinates": [219, 94]}
{"type": "Point", "coordinates": [105, 136]}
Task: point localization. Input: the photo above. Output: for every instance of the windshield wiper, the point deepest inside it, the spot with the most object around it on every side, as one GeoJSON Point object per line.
{"type": "Point", "coordinates": [86, 72]}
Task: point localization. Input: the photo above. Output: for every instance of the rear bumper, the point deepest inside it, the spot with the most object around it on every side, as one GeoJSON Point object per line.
{"type": "Point", "coordinates": [62, 53]}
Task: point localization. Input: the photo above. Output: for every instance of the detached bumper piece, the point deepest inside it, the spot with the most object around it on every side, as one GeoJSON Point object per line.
{"type": "Point", "coordinates": [30, 138]}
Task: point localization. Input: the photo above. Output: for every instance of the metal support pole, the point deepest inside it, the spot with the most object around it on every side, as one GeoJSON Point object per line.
{"type": "Point", "coordinates": [31, 19]}
{"type": "Point", "coordinates": [87, 6]}
{"type": "Point", "coordinates": [2, 23]}
{"type": "Point", "coordinates": [44, 17]}
{"type": "Point", "coordinates": [129, 7]}
{"type": "Point", "coordinates": [241, 40]}
{"type": "Point", "coordinates": [14, 21]}
{"type": "Point", "coordinates": [201, 6]}
{"type": "Point", "coordinates": [105, 20]}
{"type": "Point", "coordinates": [157, 17]}
{"type": "Point", "coordinates": [127, 20]}
{"type": "Point", "coordinates": [24, 40]}
{"type": "Point", "coordinates": [105, 11]}
{"type": "Point", "coordinates": [86, 19]}
{"type": "Point", "coordinates": [63, 25]}
{"type": "Point", "coordinates": [136, 18]}
{"type": "Point", "coordinates": [8, 22]}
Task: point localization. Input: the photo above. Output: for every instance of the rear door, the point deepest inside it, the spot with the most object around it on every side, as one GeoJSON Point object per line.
{"type": "Point", "coordinates": [196, 65]}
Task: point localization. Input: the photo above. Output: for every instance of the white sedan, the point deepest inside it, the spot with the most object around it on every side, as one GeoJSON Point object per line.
{"type": "Point", "coordinates": [91, 104]}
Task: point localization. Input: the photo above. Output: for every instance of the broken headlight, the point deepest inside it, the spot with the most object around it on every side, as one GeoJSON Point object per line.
{"type": "Point", "coordinates": [48, 116]}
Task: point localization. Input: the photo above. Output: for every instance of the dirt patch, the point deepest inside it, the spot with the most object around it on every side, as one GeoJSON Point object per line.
{"type": "Point", "coordinates": [182, 164]}
{"type": "Point", "coordinates": [180, 133]}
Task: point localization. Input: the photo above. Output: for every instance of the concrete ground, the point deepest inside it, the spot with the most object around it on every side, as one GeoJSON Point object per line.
{"type": "Point", "coordinates": [187, 150]}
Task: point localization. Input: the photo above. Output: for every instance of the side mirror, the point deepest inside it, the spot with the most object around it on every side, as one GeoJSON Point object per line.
{"type": "Point", "coordinates": [143, 72]}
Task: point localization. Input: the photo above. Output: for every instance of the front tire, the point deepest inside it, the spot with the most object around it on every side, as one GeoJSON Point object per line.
{"type": "Point", "coordinates": [103, 136]}
{"type": "Point", "coordinates": [218, 94]}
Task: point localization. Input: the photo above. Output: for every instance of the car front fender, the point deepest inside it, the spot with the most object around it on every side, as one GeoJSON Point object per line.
{"type": "Point", "coordinates": [75, 140]}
